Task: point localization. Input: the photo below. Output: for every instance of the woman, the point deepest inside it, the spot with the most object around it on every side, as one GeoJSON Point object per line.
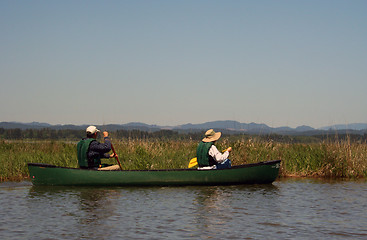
{"type": "Point", "coordinates": [208, 154]}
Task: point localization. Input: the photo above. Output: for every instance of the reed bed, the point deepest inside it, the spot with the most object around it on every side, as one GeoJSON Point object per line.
{"type": "Point", "coordinates": [338, 159]}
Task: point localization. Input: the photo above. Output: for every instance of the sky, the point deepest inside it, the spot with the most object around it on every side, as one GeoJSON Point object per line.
{"type": "Point", "coordinates": [280, 62]}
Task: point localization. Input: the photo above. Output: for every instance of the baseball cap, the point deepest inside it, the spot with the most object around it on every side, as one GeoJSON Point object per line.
{"type": "Point", "coordinates": [92, 130]}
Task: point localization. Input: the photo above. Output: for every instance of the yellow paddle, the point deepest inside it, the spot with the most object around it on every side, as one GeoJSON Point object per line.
{"type": "Point", "coordinates": [193, 162]}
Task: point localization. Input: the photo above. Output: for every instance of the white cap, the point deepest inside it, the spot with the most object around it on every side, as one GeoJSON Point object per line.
{"type": "Point", "coordinates": [92, 130]}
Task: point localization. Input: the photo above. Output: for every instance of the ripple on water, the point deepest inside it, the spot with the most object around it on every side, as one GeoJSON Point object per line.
{"type": "Point", "coordinates": [289, 209]}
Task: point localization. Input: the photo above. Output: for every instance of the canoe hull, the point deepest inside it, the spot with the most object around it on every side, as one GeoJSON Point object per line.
{"type": "Point", "coordinates": [259, 173]}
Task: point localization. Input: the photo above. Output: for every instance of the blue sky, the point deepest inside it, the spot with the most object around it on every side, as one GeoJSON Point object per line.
{"type": "Point", "coordinates": [282, 63]}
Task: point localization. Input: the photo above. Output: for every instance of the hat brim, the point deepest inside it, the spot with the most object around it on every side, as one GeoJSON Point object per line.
{"type": "Point", "coordinates": [216, 136]}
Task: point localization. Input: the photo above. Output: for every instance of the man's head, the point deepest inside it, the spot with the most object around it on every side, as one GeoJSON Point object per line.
{"type": "Point", "coordinates": [92, 132]}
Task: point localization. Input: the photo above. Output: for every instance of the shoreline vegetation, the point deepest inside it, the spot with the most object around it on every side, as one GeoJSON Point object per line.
{"type": "Point", "coordinates": [337, 158]}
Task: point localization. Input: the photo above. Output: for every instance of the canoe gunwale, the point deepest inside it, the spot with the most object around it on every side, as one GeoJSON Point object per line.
{"type": "Point", "coordinates": [44, 165]}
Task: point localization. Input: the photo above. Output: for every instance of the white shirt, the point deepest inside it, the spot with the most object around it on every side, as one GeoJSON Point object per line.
{"type": "Point", "coordinates": [218, 156]}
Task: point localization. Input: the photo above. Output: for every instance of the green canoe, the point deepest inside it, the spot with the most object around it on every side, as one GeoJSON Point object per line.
{"type": "Point", "coordinates": [263, 172]}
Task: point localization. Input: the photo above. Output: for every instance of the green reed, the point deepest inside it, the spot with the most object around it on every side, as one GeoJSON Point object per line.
{"type": "Point", "coordinates": [327, 159]}
{"type": "Point", "coordinates": [332, 159]}
{"type": "Point", "coordinates": [15, 155]}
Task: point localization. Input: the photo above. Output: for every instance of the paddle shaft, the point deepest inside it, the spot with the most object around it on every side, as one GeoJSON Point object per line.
{"type": "Point", "coordinates": [114, 152]}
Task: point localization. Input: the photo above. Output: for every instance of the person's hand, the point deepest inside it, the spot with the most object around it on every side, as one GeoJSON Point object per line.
{"type": "Point", "coordinates": [229, 149]}
{"type": "Point", "coordinates": [113, 155]}
{"type": "Point", "coordinates": [105, 134]}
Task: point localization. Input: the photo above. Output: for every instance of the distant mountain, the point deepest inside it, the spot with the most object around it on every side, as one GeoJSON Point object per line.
{"type": "Point", "coordinates": [129, 126]}
{"type": "Point", "coordinates": [227, 126]}
{"type": "Point", "coordinates": [12, 125]}
{"type": "Point", "coordinates": [304, 128]}
{"type": "Point", "coordinates": [353, 126]}
{"type": "Point", "coordinates": [137, 124]}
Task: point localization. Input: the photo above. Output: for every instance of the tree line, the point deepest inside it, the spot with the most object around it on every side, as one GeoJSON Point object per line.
{"type": "Point", "coordinates": [71, 134]}
{"type": "Point", "coordinates": [75, 135]}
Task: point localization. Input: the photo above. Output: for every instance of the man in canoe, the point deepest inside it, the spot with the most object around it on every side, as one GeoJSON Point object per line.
{"type": "Point", "coordinates": [208, 154]}
{"type": "Point", "coordinates": [90, 151]}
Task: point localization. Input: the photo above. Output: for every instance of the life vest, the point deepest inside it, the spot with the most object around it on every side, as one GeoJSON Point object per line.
{"type": "Point", "coordinates": [202, 154]}
{"type": "Point", "coordinates": [83, 161]}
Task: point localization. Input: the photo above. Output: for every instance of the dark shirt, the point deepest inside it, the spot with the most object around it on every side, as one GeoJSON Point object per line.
{"type": "Point", "coordinates": [99, 149]}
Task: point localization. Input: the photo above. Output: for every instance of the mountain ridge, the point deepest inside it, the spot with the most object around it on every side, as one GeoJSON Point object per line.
{"type": "Point", "coordinates": [229, 126]}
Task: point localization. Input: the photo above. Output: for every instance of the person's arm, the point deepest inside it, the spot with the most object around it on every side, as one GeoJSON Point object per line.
{"type": "Point", "coordinates": [218, 156]}
{"type": "Point", "coordinates": [101, 148]}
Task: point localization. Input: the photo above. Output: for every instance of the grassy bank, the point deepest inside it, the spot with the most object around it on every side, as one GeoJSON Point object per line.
{"type": "Point", "coordinates": [328, 159]}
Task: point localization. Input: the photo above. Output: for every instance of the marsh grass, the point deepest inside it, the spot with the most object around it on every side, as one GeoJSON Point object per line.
{"type": "Point", "coordinates": [331, 159]}
{"type": "Point", "coordinates": [155, 154]}
{"type": "Point", "coordinates": [15, 155]}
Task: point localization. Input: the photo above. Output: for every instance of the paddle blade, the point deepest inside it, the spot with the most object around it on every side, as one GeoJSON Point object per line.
{"type": "Point", "coordinates": [193, 162]}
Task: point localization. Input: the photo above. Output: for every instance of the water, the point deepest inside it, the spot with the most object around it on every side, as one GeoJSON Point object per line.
{"type": "Point", "coordinates": [288, 209]}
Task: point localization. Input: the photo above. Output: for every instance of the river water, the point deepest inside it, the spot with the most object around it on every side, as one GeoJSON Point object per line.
{"type": "Point", "coordinates": [287, 209]}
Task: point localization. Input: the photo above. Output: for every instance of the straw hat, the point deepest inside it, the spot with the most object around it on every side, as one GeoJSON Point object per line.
{"type": "Point", "coordinates": [211, 136]}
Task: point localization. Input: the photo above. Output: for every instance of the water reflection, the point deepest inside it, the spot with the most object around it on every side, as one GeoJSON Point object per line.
{"type": "Point", "coordinates": [288, 209]}
{"type": "Point", "coordinates": [211, 213]}
{"type": "Point", "coordinates": [218, 206]}
{"type": "Point", "coordinates": [96, 204]}
{"type": "Point", "coordinates": [85, 210]}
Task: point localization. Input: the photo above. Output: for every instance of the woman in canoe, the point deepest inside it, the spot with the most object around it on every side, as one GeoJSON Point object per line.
{"type": "Point", "coordinates": [90, 151]}
{"type": "Point", "coordinates": [208, 154]}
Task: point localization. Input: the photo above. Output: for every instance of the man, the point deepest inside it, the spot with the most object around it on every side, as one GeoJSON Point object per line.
{"type": "Point", "coordinates": [90, 151]}
{"type": "Point", "coordinates": [208, 154]}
